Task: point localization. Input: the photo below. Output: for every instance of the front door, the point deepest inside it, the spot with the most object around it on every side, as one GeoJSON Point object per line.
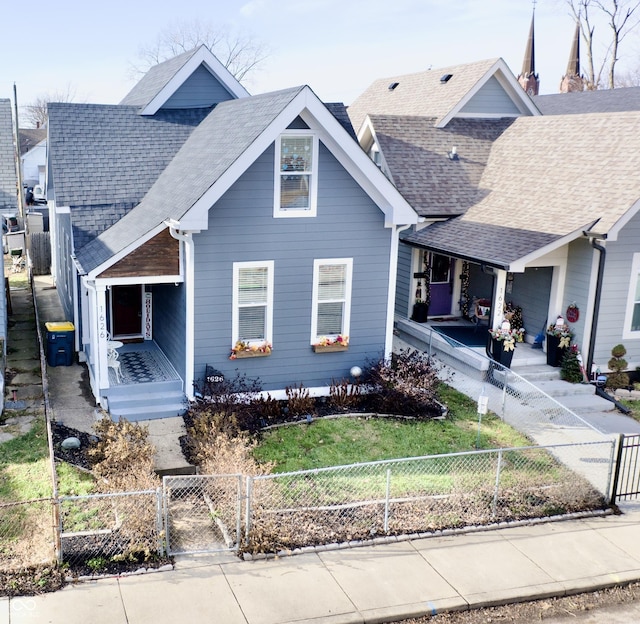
{"type": "Point", "coordinates": [126, 311]}
{"type": "Point", "coordinates": [441, 286]}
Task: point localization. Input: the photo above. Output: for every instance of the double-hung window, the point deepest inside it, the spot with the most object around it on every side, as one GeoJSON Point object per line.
{"type": "Point", "coordinates": [632, 316]}
{"type": "Point", "coordinates": [296, 180]}
{"type": "Point", "coordinates": [331, 298]}
{"type": "Point", "coordinates": [252, 302]}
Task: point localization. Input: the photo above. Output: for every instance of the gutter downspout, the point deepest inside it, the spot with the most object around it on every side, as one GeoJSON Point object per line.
{"type": "Point", "coordinates": [190, 299]}
{"type": "Point", "coordinates": [391, 294]}
{"type": "Point", "coordinates": [596, 302]}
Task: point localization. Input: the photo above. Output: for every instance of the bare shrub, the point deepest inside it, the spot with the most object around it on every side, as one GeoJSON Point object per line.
{"type": "Point", "coordinates": [123, 457]}
{"type": "Point", "coordinates": [344, 395]}
{"type": "Point", "coordinates": [404, 384]}
{"type": "Point", "coordinates": [299, 403]}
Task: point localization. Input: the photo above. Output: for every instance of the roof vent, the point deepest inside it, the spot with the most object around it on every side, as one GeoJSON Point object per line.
{"type": "Point", "coordinates": [393, 85]}
{"type": "Point", "coordinates": [445, 78]}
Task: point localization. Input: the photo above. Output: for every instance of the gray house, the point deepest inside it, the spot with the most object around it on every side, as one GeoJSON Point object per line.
{"type": "Point", "coordinates": [201, 229]}
{"type": "Point", "coordinates": [539, 210]}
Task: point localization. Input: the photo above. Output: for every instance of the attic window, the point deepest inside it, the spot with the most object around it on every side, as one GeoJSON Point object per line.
{"type": "Point", "coordinates": [393, 85]}
{"type": "Point", "coordinates": [445, 78]}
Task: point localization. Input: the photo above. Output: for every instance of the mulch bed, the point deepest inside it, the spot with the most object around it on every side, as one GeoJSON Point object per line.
{"type": "Point", "coordinates": [77, 457]}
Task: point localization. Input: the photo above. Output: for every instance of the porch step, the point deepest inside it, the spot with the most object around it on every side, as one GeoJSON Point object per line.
{"type": "Point", "coordinates": [147, 401]}
{"type": "Point", "coordinates": [537, 373]}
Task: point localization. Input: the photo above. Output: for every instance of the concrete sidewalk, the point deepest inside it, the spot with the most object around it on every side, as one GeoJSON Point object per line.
{"type": "Point", "coordinates": [381, 583]}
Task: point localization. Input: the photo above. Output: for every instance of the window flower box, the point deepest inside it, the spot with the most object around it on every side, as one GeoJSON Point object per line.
{"type": "Point", "coordinates": [247, 350]}
{"type": "Point", "coordinates": [328, 345]}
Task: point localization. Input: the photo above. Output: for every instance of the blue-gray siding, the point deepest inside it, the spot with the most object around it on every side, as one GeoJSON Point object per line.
{"type": "Point", "coordinates": [617, 284]}
{"type": "Point", "coordinates": [169, 323]}
{"type": "Point", "coordinates": [403, 281]}
{"type": "Point", "coordinates": [491, 98]}
{"type": "Point", "coordinates": [242, 228]}
{"type": "Point", "coordinates": [201, 89]}
{"type": "Point", "coordinates": [577, 285]}
{"type": "Point", "coordinates": [64, 269]}
{"type": "Point", "coordinates": [530, 290]}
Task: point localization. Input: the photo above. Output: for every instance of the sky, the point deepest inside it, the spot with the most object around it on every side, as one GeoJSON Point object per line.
{"type": "Point", "coordinates": [337, 47]}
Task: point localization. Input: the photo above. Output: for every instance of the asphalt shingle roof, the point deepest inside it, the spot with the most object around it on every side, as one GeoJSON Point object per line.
{"type": "Point", "coordinates": [155, 80]}
{"type": "Point", "coordinates": [420, 94]}
{"type": "Point", "coordinates": [416, 153]}
{"type": "Point", "coordinates": [601, 101]}
{"type": "Point", "coordinates": [8, 175]}
{"type": "Point", "coordinates": [111, 154]}
{"type": "Point", "coordinates": [226, 133]}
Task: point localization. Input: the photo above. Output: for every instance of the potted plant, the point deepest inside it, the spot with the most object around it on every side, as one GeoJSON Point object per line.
{"type": "Point", "coordinates": [558, 341]}
{"type": "Point", "coordinates": [327, 345]}
{"type": "Point", "coordinates": [503, 342]}
{"type": "Point", "coordinates": [246, 349]}
{"type": "Point", "coordinates": [421, 306]}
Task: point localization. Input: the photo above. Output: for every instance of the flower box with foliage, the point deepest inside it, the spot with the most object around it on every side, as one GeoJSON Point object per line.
{"type": "Point", "coordinates": [558, 341]}
{"type": "Point", "coordinates": [327, 345]}
{"type": "Point", "coordinates": [244, 349]}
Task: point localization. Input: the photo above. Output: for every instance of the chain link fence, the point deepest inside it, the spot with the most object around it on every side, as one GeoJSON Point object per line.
{"type": "Point", "coordinates": [117, 526]}
{"type": "Point", "coordinates": [27, 534]}
{"type": "Point", "coordinates": [202, 513]}
{"type": "Point", "coordinates": [419, 495]}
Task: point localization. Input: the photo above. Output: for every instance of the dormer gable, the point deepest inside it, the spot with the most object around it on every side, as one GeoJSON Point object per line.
{"type": "Point", "coordinates": [194, 79]}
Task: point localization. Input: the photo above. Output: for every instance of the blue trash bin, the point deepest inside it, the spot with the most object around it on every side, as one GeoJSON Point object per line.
{"type": "Point", "coordinates": [60, 338]}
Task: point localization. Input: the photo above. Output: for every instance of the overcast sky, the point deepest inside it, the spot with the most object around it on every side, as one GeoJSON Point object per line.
{"type": "Point", "coordinates": [338, 47]}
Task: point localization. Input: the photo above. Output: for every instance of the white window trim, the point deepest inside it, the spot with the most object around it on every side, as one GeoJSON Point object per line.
{"type": "Point", "coordinates": [627, 334]}
{"type": "Point", "coordinates": [235, 322]}
{"type": "Point", "coordinates": [346, 321]}
{"type": "Point", "coordinates": [278, 213]}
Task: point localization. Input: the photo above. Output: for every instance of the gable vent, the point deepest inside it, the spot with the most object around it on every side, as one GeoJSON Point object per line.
{"type": "Point", "coordinates": [393, 85]}
{"type": "Point", "coordinates": [445, 78]}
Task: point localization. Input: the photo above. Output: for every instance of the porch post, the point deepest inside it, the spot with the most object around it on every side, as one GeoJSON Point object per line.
{"type": "Point", "coordinates": [497, 305]}
{"type": "Point", "coordinates": [100, 341]}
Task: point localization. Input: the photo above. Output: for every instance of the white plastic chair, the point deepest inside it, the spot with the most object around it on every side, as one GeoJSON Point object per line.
{"type": "Point", "coordinates": [113, 362]}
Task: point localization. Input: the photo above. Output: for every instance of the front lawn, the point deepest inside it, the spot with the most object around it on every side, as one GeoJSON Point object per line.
{"type": "Point", "coordinates": [340, 441]}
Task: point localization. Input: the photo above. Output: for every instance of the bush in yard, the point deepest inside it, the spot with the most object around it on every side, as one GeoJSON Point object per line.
{"type": "Point", "coordinates": [123, 457]}
{"type": "Point", "coordinates": [405, 384]}
{"type": "Point", "coordinates": [618, 378]}
{"type": "Point", "coordinates": [343, 395]}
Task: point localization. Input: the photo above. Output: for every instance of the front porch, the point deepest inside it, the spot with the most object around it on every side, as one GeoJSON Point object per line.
{"type": "Point", "coordinates": [146, 386]}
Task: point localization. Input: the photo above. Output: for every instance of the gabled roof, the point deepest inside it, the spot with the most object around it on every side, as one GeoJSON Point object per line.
{"type": "Point", "coordinates": [548, 179]}
{"type": "Point", "coordinates": [228, 141]}
{"type": "Point", "coordinates": [416, 154]}
{"type": "Point", "coordinates": [163, 80]}
{"type": "Point", "coordinates": [30, 137]}
{"type": "Point", "coordinates": [432, 94]}
{"type": "Point", "coordinates": [8, 175]}
{"type": "Point", "coordinates": [600, 101]}
{"type": "Point", "coordinates": [109, 154]}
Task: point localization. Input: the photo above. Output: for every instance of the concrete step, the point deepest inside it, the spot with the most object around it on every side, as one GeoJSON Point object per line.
{"type": "Point", "coordinates": [536, 373]}
{"type": "Point", "coordinates": [142, 412]}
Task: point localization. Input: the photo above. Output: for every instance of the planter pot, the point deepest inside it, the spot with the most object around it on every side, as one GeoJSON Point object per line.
{"type": "Point", "coordinates": [555, 353]}
{"type": "Point", "coordinates": [499, 354]}
{"type": "Point", "coordinates": [420, 312]}
{"type": "Point", "coordinates": [329, 348]}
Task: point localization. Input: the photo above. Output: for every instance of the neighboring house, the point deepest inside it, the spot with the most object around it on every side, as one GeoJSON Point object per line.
{"type": "Point", "coordinates": [192, 216]}
{"type": "Point", "coordinates": [516, 206]}
{"type": "Point", "coordinates": [8, 206]}
{"type": "Point", "coordinates": [33, 156]}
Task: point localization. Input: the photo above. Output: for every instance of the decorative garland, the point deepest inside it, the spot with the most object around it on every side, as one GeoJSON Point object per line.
{"type": "Point", "coordinates": [464, 292]}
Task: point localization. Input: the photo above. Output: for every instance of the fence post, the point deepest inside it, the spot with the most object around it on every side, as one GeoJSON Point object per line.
{"type": "Point", "coordinates": [618, 467]}
{"type": "Point", "coordinates": [386, 501]}
{"type": "Point", "coordinates": [504, 393]}
{"type": "Point", "coordinates": [494, 505]}
{"type": "Point", "coordinates": [58, 528]}
{"type": "Point", "coordinates": [159, 505]}
{"type": "Point", "coordinates": [247, 523]}
{"type": "Point", "coordinates": [239, 510]}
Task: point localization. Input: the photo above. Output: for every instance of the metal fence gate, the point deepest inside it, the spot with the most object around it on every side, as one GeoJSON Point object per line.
{"type": "Point", "coordinates": [202, 513]}
{"type": "Point", "coordinates": [626, 481]}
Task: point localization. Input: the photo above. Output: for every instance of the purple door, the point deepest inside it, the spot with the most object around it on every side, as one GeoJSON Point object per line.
{"type": "Point", "coordinates": [441, 286]}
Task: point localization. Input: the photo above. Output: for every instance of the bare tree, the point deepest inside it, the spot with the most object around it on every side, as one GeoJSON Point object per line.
{"type": "Point", "coordinates": [240, 53]}
{"type": "Point", "coordinates": [620, 18]}
{"type": "Point", "coordinates": [35, 113]}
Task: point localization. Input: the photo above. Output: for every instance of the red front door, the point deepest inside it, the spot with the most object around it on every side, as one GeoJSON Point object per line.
{"type": "Point", "coordinates": [126, 311]}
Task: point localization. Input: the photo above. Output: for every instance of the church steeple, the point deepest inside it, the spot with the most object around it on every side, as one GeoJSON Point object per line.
{"type": "Point", "coordinates": [528, 78]}
{"type": "Point", "coordinates": [572, 80]}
